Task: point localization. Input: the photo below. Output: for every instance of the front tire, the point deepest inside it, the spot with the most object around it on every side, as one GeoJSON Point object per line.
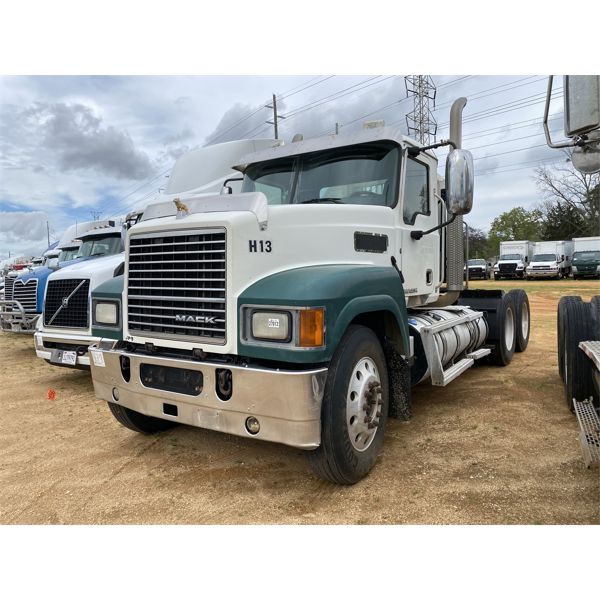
{"type": "Point", "coordinates": [137, 421]}
{"type": "Point", "coordinates": [355, 409]}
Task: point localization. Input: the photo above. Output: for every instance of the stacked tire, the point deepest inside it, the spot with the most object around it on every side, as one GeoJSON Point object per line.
{"type": "Point", "coordinates": [577, 321]}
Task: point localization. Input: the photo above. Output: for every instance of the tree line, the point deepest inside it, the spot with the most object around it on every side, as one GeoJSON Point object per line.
{"type": "Point", "coordinates": [570, 207]}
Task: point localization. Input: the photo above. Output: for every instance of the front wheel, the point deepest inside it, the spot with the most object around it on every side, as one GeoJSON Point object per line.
{"type": "Point", "coordinates": [355, 409]}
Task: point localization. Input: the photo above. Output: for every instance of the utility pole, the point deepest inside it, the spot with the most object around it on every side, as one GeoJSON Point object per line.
{"type": "Point", "coordinates": [276, 117]}
{"type": "Point", "coordinates": [421, 120]}
{"type": "Point", "coordinates": [95, 214]}
{"type": "Point", "coordinates": [337, 128]}
{"type": "Point", "coordinates": [48, 232]}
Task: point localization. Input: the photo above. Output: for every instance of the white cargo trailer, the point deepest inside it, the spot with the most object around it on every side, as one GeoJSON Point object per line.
{"type": "Point", "coordinates": [586, 243]}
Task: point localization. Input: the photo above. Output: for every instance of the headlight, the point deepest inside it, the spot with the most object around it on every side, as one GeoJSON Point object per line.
{"type": "Point", "coordinates": [289, 326]}
{"type": "Point", "coordinates": [520, 267]}
{"type": "Point", "coordinates": [598, 269]}
{"type": "Point", "coordinates": [106, 313]}
{"type": "Point", "coordinates": [574, 269]}
{"type": "Point", "coordinates": [271, 326]}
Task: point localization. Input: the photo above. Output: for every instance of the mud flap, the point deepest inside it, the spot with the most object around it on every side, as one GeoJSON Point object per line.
{"type": "Point", "coordinates": [399, 376]}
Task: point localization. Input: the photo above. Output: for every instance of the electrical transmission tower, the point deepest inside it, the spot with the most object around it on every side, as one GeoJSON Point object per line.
{"type": "Point", "coordinates": [420, 122]}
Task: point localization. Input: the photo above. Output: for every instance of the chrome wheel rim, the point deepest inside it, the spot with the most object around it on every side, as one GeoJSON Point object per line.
{"type": "Point", "coordinates": [363, 404]}
{"type": "Point", "coordinates": [509, 329]}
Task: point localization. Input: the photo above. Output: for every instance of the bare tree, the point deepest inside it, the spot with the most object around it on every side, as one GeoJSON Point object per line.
{"type": "Point", "coordinates": [566, 186]}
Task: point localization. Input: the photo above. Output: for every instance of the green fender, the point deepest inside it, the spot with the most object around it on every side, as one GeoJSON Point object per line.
{"type": "Point", "coordinates": [345, 291]}
{"type": "Point", "coordinates": [109, 290]}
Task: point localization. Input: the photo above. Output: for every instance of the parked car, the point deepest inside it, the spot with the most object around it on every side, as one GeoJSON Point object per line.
{"type": "Point", "coordinates": [479, 268]}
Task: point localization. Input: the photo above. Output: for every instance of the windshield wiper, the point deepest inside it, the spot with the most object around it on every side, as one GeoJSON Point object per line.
{"type": "Point", "coordinates": [317, 200]}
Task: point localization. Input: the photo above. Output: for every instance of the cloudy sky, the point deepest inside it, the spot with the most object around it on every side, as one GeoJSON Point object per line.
{"type": "Point", "coordinates": [73, 147]}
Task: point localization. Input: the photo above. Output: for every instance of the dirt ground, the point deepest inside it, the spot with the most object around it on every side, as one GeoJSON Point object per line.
{"type": "Point", "coordinates": [496, 446]}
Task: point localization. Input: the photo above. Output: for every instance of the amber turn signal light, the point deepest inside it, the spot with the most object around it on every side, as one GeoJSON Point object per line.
{"type": "Point", "coordinates": [312, 328]}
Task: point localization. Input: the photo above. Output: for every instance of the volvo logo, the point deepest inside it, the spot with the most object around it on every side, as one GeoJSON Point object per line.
{"type": "Point", "coordinates": [65, 302]}
{"type": "Point", "coordinates": [196, 319]}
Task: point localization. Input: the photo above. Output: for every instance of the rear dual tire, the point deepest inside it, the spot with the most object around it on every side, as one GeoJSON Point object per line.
{"type": "Point", "coordinates": [523, 319]}
{"type": "Point", "coordinates": [504, 347]}
{"type": "Point", "coordinates": [578, 321]}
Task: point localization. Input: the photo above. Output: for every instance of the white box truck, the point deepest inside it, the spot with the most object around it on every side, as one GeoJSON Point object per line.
{"type": "Point", "coordinates": [551, 259]}
{"type": "Point", "coordinates": [513, 260]}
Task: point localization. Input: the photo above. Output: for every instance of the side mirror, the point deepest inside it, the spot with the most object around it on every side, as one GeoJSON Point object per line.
{"type": "Point", "coordinates": [562, 258]}
{"type": "Point", "coordinates": [582, 104]}
{"type": "Point", "coordinates": [53, 264]}
{"type": "Point", "coordinates": [227, 189]}
{"type": "Point", "coordinates": [459, 182]}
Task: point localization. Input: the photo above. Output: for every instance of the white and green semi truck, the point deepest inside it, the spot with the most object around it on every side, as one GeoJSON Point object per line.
{"type": "Point", "coordinates": [303, 309]}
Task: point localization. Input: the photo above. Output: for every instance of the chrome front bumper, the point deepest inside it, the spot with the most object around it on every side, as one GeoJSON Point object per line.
{"type": "Point", "coordinates": [13, 317]}
{"type": "Point", "coordinates": [54, 355]}
{"type": "Point", "coordinates": [287, 404]}
{"type": "Point", "coordinates": [540, 273]}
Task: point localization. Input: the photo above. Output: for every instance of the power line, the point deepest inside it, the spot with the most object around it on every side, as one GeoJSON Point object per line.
{"type": "Point", "coordinates": [287, 95]}
{"type": "Point", "coordinates": [336, 96]}
{"type": "Point", "coordinates": [329, 98]}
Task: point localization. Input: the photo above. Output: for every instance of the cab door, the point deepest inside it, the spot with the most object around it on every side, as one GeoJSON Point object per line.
{"type": "Point", "coordinates": [418, 210]}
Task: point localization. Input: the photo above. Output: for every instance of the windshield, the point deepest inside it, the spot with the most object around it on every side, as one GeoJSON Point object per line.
{"type": "Point", "coordinates": [100, 246]}
{"type": "Point", "coordinates": [543, 257]}
{"type": "Point", "coordinates": [510, 257]}
{"type": "Point", "coordinates": [361, 174]}
{"type": "Point", "coordinates": [589, 255]}
{"type": "Point", "coordinates": [69, 254]}
{"type": "Point", "coordinates": [476, 261]}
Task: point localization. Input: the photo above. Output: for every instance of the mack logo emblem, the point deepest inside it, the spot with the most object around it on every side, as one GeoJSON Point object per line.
{"type": "Point", "coordinates": [197, 319]}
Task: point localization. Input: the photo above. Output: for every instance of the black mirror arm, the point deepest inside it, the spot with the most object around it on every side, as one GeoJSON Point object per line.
{"type": "Point", "coordinates": [415, 151]}
{"type": "Point", "coordinates": [417, 235]}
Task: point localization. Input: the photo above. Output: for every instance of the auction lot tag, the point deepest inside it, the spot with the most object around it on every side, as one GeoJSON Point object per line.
{"type": "Point", "coordinates": [69, 357]}
{"type": "Point", "coordinates": [98, 358]}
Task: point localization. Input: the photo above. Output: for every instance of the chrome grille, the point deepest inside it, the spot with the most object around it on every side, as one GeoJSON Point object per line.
{"type": "Point", "coordinates": [507, 267]}
{"type": "Point", "coordinates": [66, 303]}
{"type": "Point", "coordinates": [176, 285]}
{"type": "Point", "coordinates": [26, 294]}
{"type": "Point", "coordinates": [9, 283]}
